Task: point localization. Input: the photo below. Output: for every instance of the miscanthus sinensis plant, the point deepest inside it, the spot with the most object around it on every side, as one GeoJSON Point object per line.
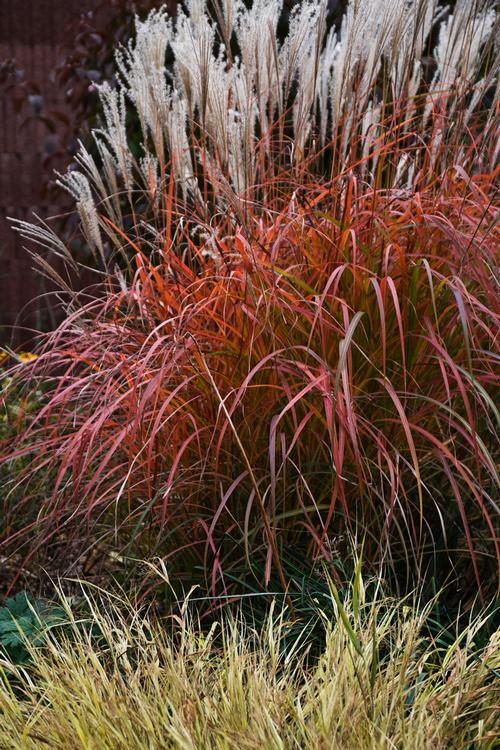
{"type": "Point", "coordinates": [296, 331]}
{"type": "Point", "coordinates": [234, 116]}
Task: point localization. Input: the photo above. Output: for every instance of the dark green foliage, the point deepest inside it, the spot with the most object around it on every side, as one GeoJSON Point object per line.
{"type": "Point", "coordinates": [24, 622]}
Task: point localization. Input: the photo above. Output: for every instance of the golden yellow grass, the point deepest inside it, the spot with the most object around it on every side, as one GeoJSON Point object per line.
{"type": "Point", "coordinates": [146, 684]}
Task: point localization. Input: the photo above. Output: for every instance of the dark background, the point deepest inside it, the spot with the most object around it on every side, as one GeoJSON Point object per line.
{"type": "Point", "coordinates": [31, 32]}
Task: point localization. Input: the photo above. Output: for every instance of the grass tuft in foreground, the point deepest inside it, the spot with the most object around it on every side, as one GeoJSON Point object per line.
{"type": "Point", "coordinates": [125, 680]}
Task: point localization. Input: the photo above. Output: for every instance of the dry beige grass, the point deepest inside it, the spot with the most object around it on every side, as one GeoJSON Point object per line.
{"type": "Point", "coordinates": [149, 685]}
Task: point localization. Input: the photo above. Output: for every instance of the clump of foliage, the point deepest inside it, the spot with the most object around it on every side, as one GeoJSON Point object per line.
{"type": "Point", "coordinates": [295, 336]}
{"type": "Point", "coordinates": [329, 372]}
{"type": "Point", "coordinates": [24, 622]}
{"type": "Point", "coordinates": [377, 682]}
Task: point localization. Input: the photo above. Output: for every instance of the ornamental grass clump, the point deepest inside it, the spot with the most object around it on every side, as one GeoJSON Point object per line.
{"type": "Point", "coordinates": [121, 679]}
{"type": "Point", "coordinates": [296, 333]}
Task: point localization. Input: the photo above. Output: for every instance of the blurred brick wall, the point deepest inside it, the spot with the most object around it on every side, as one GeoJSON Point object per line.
{"type": "Point", "coordinates": [30, 32]}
